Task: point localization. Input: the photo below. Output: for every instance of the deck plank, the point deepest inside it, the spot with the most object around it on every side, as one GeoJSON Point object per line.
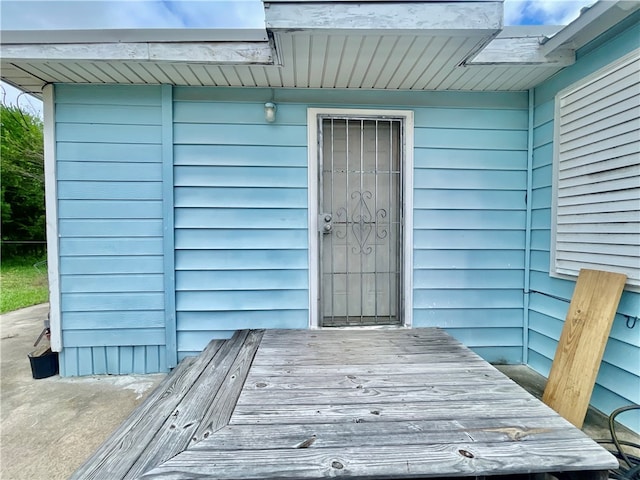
{"type": "Point", "coordinates": [365, 404]}
{"type": "Point", "coordinates": [404, 461]}
{"type": "Point", "coordinates": [117, 453]}
{"type": "Point", "coordinates": [208, 392]}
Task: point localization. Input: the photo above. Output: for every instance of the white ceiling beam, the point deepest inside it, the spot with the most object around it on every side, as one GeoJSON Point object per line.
{"type": "Point", "coordinates": [228, 53]}
{"type": "Point", "coordinates": [448, 17]}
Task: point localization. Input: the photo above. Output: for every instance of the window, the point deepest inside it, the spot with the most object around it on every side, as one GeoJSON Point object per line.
{"type": "Point", "coordinates": [596, 182]}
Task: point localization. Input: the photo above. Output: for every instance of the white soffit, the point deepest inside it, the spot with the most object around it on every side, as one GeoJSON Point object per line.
{"type": "Point", "coordinates": [402, 45]}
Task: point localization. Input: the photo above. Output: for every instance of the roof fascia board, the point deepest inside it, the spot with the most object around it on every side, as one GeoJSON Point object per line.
{"type": "Point", "coordinates": [228, 53]}
{"type": "Point", "coordinates": [427, 18]}
{"type": "Point", "coordinates": [591, 23]}
{"type": "Point", "coordinates": [160, 35]}
{"type": "Point", "coordinates": [521, 51]}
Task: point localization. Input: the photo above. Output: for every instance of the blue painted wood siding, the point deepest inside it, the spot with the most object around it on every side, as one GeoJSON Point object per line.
{"type": "Point", "coordinates": [469, 224]}
{"type": "Point", "coordinates": [109, 170]}
{"type": "Point", "coordinates": [618, 382]}
{"type": "Point", "coordinates": [240, 218]}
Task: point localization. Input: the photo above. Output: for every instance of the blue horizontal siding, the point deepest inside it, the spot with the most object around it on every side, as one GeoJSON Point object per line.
{"type": "Point", "coordinates": [224, 320]}
{"type": "Point", "coordinates": [110, 228]}
{"type": "Point", "coordinates": [241, 259]}
{"type": "Point", "coordinates": [457, 159]}
{"type": "Point", "coordinates": [460, 199]}
{"type": "Point", "coordinates": [241, 197]}
{"type": "Point", "coordinates": [469, 260]}
{"type": "Point", "coordinates": [204, 239]}
{"type": "Point", "coordinates": [261, 134]}
{"type": "Point", "coordinates": [241, 218]}
{"type": "Point", "coordinates": [107, 152]}
{"type": "Point", "coordinates": [114, 320]}
{"type": "Point", "coordinates": [109, 265]}
{"type": "Point", "coordinates": [464, 279]}
{"type": "Point", "coordinates": [111, 283]}
{"type": "Point", "coordinates": [467, 298]}
{"type": "Point", "coordinates": [110, 246]}
{"type": "Point", "coordinates": [469, 226]}
{"type": "Point", "coordinates": [458, 238]}
{"type": "Point", "coordinates": [248, 156]}
{"type": "Point", "coordinates": [198, 301]}
{"type": "Point", "coordinates": [79, 190]}
{"type": "Point", "coordinates": [109, 170]}
{"type": "Point", "coordinates": [512, 140]}
{"type": "Point", "coordinates": [618, 381]}
{"type": "Point", "coordinates": [114, 337]}
{"type": "Point", "coordinates": [235, 176]}
{"type": "Point", "coordinates": [464, 317]}
{"type": "Point", "coordinates": [120, 134]}
{"type": "Point", "coordinates": [229, 280]}
{"type": "Point", "coordinates": [109, 209]}
{"type": "Point", "coordinates": [470, 219]}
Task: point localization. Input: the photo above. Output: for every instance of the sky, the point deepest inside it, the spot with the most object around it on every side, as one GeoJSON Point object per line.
{"type": "Point", "coordinates": [103, 14]}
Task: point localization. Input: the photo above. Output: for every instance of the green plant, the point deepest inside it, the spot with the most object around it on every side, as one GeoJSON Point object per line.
{"type": "Point", "coordinates": [23, 282]}
{"type": "Point", "coordinates": [22, 189]}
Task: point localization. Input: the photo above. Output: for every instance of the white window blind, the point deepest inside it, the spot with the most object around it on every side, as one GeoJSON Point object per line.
{"type": "Point", "coordinates": [596, 208]}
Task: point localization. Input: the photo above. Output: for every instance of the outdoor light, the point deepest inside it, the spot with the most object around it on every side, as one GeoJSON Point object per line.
{"type": "Point", "coordinates": [270, 112]}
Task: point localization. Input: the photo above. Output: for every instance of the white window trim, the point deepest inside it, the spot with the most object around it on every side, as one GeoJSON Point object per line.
{"type": "Point", "coordinates": [51, 207]}
{"type": "Point", "coordinates": [553, 270]}
{"type": "Point", "coordinates": [314, 247]}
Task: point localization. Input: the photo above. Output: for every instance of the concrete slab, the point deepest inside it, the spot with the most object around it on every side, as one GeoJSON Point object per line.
{"type": "Point", "coordinates": [49, 427]}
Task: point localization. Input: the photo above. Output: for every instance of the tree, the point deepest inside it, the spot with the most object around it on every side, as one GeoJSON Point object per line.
{"type": "Point", "coordinates": [22, 181]}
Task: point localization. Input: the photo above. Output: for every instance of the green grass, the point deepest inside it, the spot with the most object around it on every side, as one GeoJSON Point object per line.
{"type": "Point", "coordinates": [21, 284]}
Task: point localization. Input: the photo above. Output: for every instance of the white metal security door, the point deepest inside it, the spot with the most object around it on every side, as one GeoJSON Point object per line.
{"type": "Point", "coordinates": [360, 220]}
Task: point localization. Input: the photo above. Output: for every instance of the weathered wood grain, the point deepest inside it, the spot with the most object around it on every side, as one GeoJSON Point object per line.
{"type": "Point", "coordinates": [252, 437]}
{"type": "Point", "coordinates": [385, 412]}
{"type": "Point", "coordinates": [219, 411]}
{"type": "Point", "coordinates": [581, 346]}
{"type": "Point", "coordinates": [446, 459]}
{"type": "Point", "coordinates": [116, 455]}
{"type": "Point", "coordinates": [358, 394]}
{"type": "Point", "coordinates": [176, 432]}
{"type": "Point", "coordinates": [471, 378]}
{"type": "Point", "coordinates": [366, 404]}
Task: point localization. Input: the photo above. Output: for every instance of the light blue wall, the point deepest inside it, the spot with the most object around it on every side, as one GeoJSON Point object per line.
{"type": "Point", "coordinates": [469, 224]}
{"type": "Point", "coordinates": [618, 382]}
{"type": "Point", "coordinates": [240, 218]}
{"type": "Point", "coordinates": [109, 170]}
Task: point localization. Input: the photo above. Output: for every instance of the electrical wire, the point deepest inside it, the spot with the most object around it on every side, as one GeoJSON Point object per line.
{"type": "Point", "coordinates": [629, 468]}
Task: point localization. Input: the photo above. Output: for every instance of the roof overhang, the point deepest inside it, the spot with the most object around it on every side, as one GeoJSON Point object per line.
{"type": "Point", "coordinates": [361, 44]}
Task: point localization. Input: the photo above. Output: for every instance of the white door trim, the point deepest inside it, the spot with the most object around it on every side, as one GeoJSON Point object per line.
{"type": "Point", "coordinates": [314, 245]}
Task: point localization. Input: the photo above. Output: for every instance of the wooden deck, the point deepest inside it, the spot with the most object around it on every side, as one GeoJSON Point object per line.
{"type": "Point", "coordinates": [293, 404]}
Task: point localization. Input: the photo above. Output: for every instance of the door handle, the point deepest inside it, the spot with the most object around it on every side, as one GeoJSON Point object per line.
{"type": "Point", "coordinates": [327, 226]}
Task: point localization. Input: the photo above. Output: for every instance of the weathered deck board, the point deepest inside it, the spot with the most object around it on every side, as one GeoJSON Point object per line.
{"type": "Point", "coordinates": [366, 404]}
{"type": "Point", "coordinates": [405, 461]}
{"type": "Point", "coordinates": [210, 393]}
{"type": "Point", "coordinates": [135, 434]}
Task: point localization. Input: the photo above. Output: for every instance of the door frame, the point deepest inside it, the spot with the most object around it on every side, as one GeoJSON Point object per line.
{"type": "Point", "coordinates": [406, 301]}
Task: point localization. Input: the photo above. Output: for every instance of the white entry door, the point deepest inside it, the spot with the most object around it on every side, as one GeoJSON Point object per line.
{"type": "Point", "coordinates": [360, 206]}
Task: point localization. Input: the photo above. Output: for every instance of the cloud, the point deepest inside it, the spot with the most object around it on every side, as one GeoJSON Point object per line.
{"type": "Point", "coordinates": [543, 12]}
{"type": "Point", "coordinates": [102, 14]}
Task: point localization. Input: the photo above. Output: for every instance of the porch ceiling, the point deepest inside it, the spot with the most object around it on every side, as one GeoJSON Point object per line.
{"type": "Point", "coordinates": [361, 45]}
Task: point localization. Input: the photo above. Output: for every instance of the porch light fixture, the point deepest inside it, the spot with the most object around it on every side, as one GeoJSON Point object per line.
{"type": "Point", "coordinates": [270, 112]}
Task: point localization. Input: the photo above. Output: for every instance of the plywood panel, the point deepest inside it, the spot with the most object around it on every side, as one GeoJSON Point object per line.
{"type": "Point", "coordinates": [584, 336]}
